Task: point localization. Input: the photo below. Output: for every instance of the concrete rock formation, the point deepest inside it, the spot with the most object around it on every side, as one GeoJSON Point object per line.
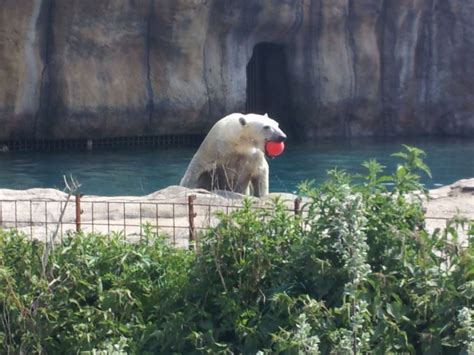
{"type": "Point", "coordinates": [92, 69]}
{"type": "Point", "coordinates": [36, 212]}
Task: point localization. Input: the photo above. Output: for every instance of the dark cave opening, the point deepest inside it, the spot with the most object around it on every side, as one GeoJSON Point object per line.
{"type": "Point", "coordinates": [268, 89]}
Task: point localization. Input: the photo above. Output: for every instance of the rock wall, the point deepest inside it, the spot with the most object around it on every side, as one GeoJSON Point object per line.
{"type": "Point", "coordinates": [92, 69]}
{"type": "Point", "coordinates": [167, 209]}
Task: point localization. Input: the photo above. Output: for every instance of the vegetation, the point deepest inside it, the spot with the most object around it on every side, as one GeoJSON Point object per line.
{"type": "Point", "coordinates": [356, 272]}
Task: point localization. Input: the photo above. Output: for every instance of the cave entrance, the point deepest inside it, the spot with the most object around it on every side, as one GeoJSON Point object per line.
{"type": "Point", "coordinates": [268, 89]}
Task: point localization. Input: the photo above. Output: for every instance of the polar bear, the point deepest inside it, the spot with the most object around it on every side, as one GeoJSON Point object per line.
{"type": "Point", "coordinates": [232, 156]}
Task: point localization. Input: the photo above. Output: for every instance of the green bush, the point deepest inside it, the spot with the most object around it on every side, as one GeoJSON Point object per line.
{"type": "Point", "coordinates": [100, 292]}
{"type": "Point", "coordinates": [355, 273]}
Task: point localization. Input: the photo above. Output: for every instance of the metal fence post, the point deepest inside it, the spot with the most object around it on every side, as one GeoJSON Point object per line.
{"type": "Point", "coordinates": [78, 213]}
{"type": "Point", "coordinates": [297, 206]}
{"type": "Point", "coordinates": [191, 215]}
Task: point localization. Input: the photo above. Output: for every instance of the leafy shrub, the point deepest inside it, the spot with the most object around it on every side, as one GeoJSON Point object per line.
{"type": "Point", "coordinates": [356, 272]}
{"type": "Point", "coordinates": [100, 292]}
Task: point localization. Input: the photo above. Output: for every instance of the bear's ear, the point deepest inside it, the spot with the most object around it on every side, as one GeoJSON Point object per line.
{"type": "Point", "coordinates": [242, 121]}
{"type": "Point", "coordinates": [265, 115]}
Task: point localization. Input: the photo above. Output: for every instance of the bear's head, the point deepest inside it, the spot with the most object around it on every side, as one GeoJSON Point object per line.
{"type": "Point", "coordinates": [259, 130]}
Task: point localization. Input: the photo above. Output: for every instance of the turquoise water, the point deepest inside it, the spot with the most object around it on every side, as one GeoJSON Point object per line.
{"type": "Point", "coordinates": [142, 171]}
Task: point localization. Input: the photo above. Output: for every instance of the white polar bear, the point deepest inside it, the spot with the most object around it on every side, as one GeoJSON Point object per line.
{"type": "Point", "coordinates": [232, 156]}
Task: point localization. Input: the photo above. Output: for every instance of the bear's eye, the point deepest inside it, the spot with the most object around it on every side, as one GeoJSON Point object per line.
{"type": "Point", "coordinates": [266, 127]}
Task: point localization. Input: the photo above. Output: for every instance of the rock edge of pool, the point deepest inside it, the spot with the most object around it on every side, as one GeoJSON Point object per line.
{"type": "Point", "coordinates": [36, 212]}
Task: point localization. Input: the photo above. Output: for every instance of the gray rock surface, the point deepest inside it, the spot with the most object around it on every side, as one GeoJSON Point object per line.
{"type": "Point", "coordinates": [36, 212]}
{"type": "Point", "coordinates": [450, 201]}
{"type": "Point", "coordinates": [91, 69]}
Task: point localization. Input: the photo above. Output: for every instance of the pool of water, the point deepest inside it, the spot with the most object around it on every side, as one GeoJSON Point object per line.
{"type": "Point", "coordinates": [142, 171]}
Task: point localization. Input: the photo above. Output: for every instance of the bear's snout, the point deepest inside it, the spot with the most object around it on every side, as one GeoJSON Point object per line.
{"type": "Point", "coordinates": [280, 137]}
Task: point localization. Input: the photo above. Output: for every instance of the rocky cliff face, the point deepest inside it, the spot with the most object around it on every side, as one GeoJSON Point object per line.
{"type": "Point", "coordinates": [88, 68]}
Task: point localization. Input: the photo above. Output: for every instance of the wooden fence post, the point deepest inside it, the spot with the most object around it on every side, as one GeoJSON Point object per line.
{"type": "Point", "coordinates": [191, 215]}
{"type": "Point", "coordinates": [78, 213]}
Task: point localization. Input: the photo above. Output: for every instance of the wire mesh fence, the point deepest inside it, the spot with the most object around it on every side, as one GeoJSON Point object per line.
{"type": "Point", "coordinates": [181, 221]}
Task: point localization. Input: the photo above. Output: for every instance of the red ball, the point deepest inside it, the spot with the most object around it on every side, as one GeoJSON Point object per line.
{"type": "Point", "coordinates": [274, 149]}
